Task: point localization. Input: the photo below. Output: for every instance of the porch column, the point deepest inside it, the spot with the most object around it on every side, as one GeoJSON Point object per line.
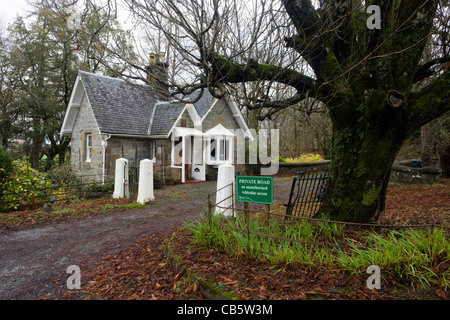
{"type": "Point", "coordinates": [183, 159]}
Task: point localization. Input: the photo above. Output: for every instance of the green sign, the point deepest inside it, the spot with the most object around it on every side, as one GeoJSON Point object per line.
{"type": "Point", "coordinates": [254, 189]}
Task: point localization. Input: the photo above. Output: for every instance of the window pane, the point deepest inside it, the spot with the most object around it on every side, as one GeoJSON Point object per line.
{"type": "Point", "coordinates": [88, 147]}
{"type": "Point", "coordinates": [222, 150]}
{"type": "Point", "coordinates": [213, 150]}
{"type": "Point", "coordinates": [227, 150]}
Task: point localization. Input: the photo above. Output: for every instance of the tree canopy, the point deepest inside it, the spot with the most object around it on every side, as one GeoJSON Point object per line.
{"type": "Point", "coordinates": [39, 60]}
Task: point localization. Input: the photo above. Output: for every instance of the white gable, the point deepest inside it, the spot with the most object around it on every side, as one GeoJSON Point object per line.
{"type": "Point", "coordinates": [219, 131]}
{"type": "Point", "coordinates": [73, 107]}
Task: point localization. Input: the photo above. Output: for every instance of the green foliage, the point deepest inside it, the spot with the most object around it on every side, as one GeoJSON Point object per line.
{"type": "Point", "coordinates": [39, 65]}
{"type": "Point", "coordinates": [5, 163]}
{"type": "Point", "coordinates": [99, 187]}
{"type": "Point", "coordinates": [417, 256]}
{"type": "Point", "coordinates": [302, 250]}
{"type": "Point", "coordinates": [306, 157]}
{"type": "Point", "coordinates": [62, 175]}
{"type": "Point", "coordinates": [25, 186]}
{"type": "Point", "coordinates": [410, 254]}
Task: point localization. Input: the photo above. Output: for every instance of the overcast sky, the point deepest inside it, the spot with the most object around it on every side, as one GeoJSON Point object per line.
{"type": "Point", "coordinates": [10, 8]}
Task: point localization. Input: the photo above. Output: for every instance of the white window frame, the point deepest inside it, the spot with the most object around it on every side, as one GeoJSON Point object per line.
{"type": "Point", "coordinates": [172, 164]}
{"type": "Point", "coordinates": [88, 147]}
{"type": "Point", "coordinates": [220, 142]}
{"type": "Point", "coordinates": [154, 148]}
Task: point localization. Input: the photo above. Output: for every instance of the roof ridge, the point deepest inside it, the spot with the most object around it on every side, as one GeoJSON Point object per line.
{"type": "Point", "coordinates": [112, 78]}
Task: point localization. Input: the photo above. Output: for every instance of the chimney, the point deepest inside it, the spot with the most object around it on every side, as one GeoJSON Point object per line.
{"type": "Point", "coordinates": [157, 75]}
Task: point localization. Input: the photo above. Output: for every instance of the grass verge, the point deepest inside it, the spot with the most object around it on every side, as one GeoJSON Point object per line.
{"type": "Point", "coordinates": [63, 211]}
{"type": "Point", "coordinates": [421, 257]}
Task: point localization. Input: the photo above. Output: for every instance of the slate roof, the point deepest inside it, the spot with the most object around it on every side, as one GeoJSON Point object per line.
{"type": "Point", "coordinates": [118, 107]}
{"type": "Point", "coordinates": [121, 108]}
{"type": "Point", "coordinates": [165, 116]}
{"type": "Point", "coordinates": [204, 103]}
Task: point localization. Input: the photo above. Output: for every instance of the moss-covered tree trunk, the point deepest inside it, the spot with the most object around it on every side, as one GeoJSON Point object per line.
{"type": "Point", "coordinates": [362, 156]}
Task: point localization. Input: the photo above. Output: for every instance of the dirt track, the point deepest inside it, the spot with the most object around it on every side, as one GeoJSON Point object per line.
{"type": "Point", "coordinates": [32, 258]}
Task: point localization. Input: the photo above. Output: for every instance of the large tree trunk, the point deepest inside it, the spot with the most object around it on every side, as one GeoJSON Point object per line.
{"type": "Point", "coordinates": [363, 152]}
{"type": "Point", "coordinates": [36, 149]}
{"type": "Point", "coordinates": [444, 159]}
{"type": "Point", "coordinates": [427, 142]}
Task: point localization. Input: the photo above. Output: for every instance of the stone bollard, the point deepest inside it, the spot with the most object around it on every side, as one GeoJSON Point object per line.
{"type": "Point", "coordinates": [225, 195]}
{"type": "Point", "coordinates": [145, 191]}
{"type": "Point", "coordinates": [121, 188]}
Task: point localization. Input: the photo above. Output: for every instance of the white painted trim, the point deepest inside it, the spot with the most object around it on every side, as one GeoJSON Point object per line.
{"type": "Point", "coordinates": [73, 107]}
{"type": "Point", "coordinates": [78, 94]}
{"type": "Point", "coordinates": [218, 140]}
{"type": "Point", "coordinates": [237, 114]}
{"type": "Point", "coordinates": [186, 132]}
{"type": "Point", "coordinates": [89, 148]}
{"type": "Point", "coordinates": [210, 108]}
{"type": "Point", "coordinates": [183, 160]}
{"type": "Point", "coordinates": [193, 113]}
{"type": "Point", "coordinates": [132, 136]}
{"type": "Point", "coordinates": [186, 107]}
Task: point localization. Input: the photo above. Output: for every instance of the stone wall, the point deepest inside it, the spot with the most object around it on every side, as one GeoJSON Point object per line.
{"type": "Point", "coordinates": [409, 175]}
{"type": "Point", "coordinates": [85, 124]}
{"type": "Point", "coordinates": [185, 120]}
{"type": "Point", "coordinates": [293, 168]}
{"type": "Point", "coordinates": [134, 149]}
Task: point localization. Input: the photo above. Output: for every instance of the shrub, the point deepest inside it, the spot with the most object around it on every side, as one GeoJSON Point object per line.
{"type": "Point", "coordinates": [306, 157]}
{"type": "Point", "coordinates": [99, 187]}
{"type": "Point", "coordinates": [62, 175]}
{"type": "Point", "coordinates": [65, 181]}
{"type": "Point", "coordinates": [25, 187]}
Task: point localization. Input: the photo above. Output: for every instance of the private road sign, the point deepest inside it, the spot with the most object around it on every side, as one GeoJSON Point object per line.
{"type": "Point", "coordinates": [254, 189]}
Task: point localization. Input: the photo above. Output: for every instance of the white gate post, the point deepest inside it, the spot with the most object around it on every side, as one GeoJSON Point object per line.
{"type": "Point", "coordinates": [225, 195]}
{"type": "Point", "coordinates": [145, 191]}
{"type": "Point", "coordinates": [121, 189]}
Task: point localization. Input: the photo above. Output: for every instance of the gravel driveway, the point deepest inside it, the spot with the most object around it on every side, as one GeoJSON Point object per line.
{"type": "Point", "coordinates": [32, 258]}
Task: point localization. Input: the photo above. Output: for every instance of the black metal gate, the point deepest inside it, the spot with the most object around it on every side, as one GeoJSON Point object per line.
{"type": "Point", "coordinates": [133, 179]}
{"type": "Point", "coordinates": [307, 193]}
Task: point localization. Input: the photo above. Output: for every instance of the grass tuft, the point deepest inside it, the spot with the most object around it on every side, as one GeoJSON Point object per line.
{"type": "Point", "coordinates": [414, 255]}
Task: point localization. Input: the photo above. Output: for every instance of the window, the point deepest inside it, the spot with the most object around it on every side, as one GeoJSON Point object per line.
{"type": "Point", "coordinates": [225, 150]}
{"type": "Point", "coordinates": [212, 153]}
{"type": "Point", "coordinates": [88, 147]}
{"type": "Point", "coordinates": [219, 150]}
{"type": "Point", "coordinates": [177, 152]}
